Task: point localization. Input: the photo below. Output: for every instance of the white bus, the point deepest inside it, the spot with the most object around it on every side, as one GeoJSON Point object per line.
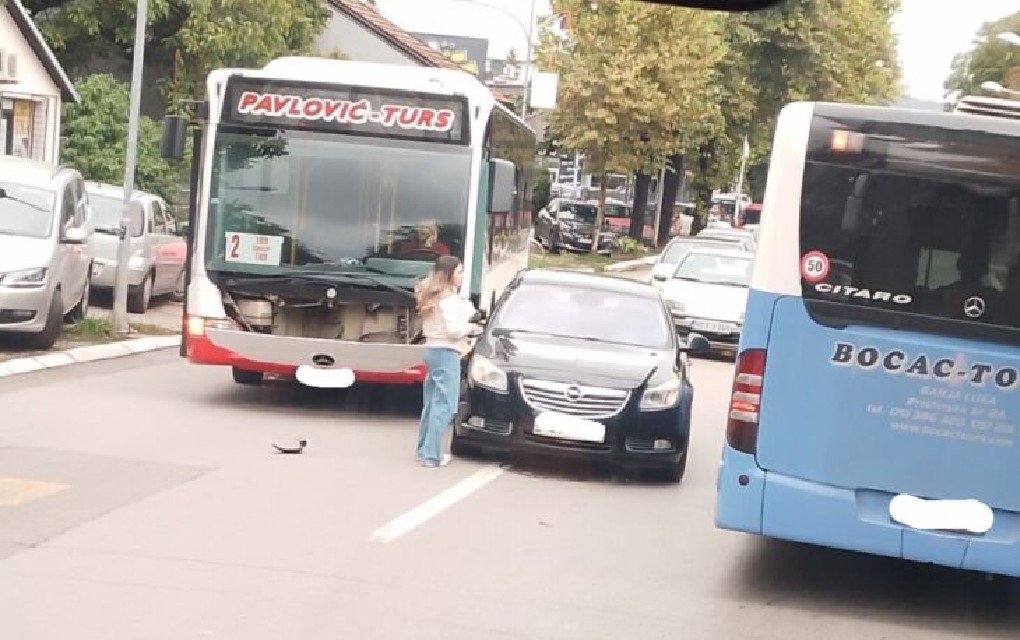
{"type": "Point", "coordinates": [322, 190]}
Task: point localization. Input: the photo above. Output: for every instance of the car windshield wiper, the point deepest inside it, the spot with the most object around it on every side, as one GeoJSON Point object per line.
{"type": "Point", "coordinates": [6, 196]}
{"type": "Point", "coordinates": [107, 229]}
{"type": "Point", "coordinates": [728, 283]}
{"type": "Point", "coordinates": [688, 279]}
{"type": "Point", "coordinates": [324, 277]}
{"type": "Point", "coordinates": [509, 332]}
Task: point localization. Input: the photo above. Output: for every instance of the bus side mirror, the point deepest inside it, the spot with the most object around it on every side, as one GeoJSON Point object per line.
{"type": "Point", "coordinates": [174, 131]}
{"type": "Point", "coordinates": [502, 179]}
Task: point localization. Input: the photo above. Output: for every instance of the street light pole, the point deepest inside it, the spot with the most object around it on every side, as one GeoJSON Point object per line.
{"type": "Point", "coordinates": [120, 319]}
{"type": "Point", "coordinates": [528, 73]}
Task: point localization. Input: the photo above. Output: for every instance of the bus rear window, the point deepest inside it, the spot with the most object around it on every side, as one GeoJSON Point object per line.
{"type": "Point", "coordinates": [903, 231]}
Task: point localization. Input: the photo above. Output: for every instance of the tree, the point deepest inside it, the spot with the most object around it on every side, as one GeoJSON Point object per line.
{"type": "Point", "coordinates": [799, 50]}
{"type": "Point", "coordinates": [94, 136]}
{"type": "Point", "coordinates": [629, 88]}
{"type": "Point", "coordinates": [188, 37]}
{"type": "Point", "coordinates": [989, 60]}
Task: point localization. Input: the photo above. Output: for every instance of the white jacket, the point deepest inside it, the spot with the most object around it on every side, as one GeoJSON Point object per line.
{"type": "Point", "coordinates": [449, 323]}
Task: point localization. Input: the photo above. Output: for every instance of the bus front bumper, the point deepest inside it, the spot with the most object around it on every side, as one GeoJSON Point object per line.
{"type": "Point", "coordinates": [282, 355]}
{"type": "Point", "coordinates": [752, 500]}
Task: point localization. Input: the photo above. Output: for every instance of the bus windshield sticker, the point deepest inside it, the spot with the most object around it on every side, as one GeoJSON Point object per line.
{"type": "Point", "coordinates": [253, 248]}
{"type": "Point", "coordinates": [814, 266]}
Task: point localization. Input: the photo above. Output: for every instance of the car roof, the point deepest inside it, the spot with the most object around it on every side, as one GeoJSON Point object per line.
{"type": "Point", "coordinates": [712, 251]}
{"type": "Point", "coordinates": [705, 239]}
{"type": "Point", "coordinates": [31, 173]}
{"type": "Point", "coordinates": [114, 191]}
{"type": "Point", "coordinates": [589, 281]}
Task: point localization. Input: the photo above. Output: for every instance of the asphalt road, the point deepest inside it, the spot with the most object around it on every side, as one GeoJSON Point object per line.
{"type": "Point", "coordinates": [140, 498]}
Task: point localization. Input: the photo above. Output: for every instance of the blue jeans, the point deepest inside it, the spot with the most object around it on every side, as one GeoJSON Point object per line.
{"type": "Point", "coordinates": [441, 395]}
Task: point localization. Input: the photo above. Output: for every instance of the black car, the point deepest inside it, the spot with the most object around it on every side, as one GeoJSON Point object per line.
{"type": "Point", "coordinates": [580, 365]}
{"type": "Point", "coordinates": [570, 224]}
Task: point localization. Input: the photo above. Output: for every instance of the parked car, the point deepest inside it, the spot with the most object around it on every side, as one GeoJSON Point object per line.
{"type": "Point", "coordinates": [677, 248]}
{"type": "Point", "coordinates": [580, 365]}
{"type": "Point", "coordinates": [729, 232]}
{"type": "Point", "coordinates": [569, 224]}
{"type": "Point", "coordinates": [45, 261]}
{"type": "Point", "coordinates": [158, 250]}
{"type": "Point", "coordinates": [707, 294]}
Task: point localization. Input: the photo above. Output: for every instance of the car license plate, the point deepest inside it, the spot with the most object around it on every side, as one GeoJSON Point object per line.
{"type": "Point", "coordinates": [324, 378]}
{"type": "Point", "coordinates": [712, 327]}
{"type": "Point", "coordinates": [971, 516]}
{"type": "Point", "coordinates": [554, 424]}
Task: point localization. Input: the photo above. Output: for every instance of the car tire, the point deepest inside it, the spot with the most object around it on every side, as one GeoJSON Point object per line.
{"type": "Point", "coordinates": [139, 297]}
{"type": "Point", "coordinates": [243, 376]}
{"type": "Point", "coordinates": [81, 310]}
{"type": "Point", "coordinates": [178, 294]}
{"type": "Point", "coordinates": [46, 338]}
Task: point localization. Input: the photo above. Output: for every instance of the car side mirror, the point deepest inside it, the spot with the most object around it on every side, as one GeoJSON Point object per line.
{"type": "Point", "coordinates": [696, 344]}
{"type": "Point", "coordinates": [75, 235]}
{"type": "Point", "coordinates": [661, 277]}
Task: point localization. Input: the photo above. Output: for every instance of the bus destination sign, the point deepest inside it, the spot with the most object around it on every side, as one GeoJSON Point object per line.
{"type": "Point", "coordinates": [340, 109]}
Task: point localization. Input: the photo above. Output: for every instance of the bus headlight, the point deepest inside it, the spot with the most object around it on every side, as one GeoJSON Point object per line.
{"type": "Point", "coordinates": [485, 373]}
{"type": "Point", "coordinates": [663, 396]}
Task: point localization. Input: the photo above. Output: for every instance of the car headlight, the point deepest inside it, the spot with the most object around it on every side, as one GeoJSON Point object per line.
{"type": "Point", "coordinates": [663, 396]}
{"type": "Point", "coordinates": [485, 373]}
{"type": "Point", "coordinates": [24, 277]}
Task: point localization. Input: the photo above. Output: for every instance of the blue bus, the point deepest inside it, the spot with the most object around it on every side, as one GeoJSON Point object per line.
{"type": "Point", "coordinates": [876, 392]}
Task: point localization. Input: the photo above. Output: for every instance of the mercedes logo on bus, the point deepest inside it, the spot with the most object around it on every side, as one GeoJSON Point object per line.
{"type": "Point", "coordinates": [572, 393]}
{"type": "Point", "coordinates": [974, 307]}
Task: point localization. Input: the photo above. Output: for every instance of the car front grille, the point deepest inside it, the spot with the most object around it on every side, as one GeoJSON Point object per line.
{"type": "Point", "coordinates": [573, 399]}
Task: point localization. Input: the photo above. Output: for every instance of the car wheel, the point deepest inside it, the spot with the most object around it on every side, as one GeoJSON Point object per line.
{"type": "Point", "coordinates": [178, 294]}
{"type": "Point", "coordinates": [46, 338]}
{"type": "Point", "coordinates": [81, 310]}
{"type": "Point", "coordinates": [140, 296]}
{"type": "Point", "coordinates": [243, 376]}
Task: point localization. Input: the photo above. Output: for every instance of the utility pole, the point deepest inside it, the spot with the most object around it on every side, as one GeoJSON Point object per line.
{"type": "Point", "coordinates": [528, 70]}
{"type": "Point", "coordinates": [120, 318]}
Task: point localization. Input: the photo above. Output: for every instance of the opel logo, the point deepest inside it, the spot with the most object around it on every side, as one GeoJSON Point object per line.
{"type": "Point", "coordinates": [974, 307]}
{"type": "Point", "coordinates": [573, 393]}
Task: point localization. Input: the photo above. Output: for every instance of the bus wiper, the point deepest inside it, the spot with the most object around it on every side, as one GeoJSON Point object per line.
{"type": "Point", "coordinates": [327, 276]}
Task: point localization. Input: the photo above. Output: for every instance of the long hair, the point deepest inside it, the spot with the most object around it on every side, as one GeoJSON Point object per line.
{"type": "Point", "coordinates": [437, 285]}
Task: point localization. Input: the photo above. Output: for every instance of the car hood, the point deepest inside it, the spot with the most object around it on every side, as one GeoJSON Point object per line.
{"type": "Point", "coordinates": [19, 252]}
{"type": "Point", "coordinates": [704, 300]}
{"type": "Point", "coordinates": [581, 361]}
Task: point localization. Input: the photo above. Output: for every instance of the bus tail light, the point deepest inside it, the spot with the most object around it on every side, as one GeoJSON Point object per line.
{"type": "Point", "coordinates": [745, 401]}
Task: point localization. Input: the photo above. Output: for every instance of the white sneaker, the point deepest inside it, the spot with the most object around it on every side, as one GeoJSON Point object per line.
{"type": "Point", "coordinates": [445, 460]}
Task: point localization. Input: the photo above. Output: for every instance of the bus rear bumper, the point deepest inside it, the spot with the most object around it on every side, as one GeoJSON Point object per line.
{"type": "Point", "coordinates": [777, 506]}
{"type": "Point", "coordinates": [270, 356]}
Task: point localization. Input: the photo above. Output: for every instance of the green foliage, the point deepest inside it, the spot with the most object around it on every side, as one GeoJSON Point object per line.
{"type": "Point", "coordinates": [989, 60]}
{"type": "Point", "coordinates": [94, 138]}
{"type": "Point", "coordinates": [540, 195]}
{"type": "Point", "coordinates": [186, 37]}
{"type": "Point", "coordinates": [630, 245]}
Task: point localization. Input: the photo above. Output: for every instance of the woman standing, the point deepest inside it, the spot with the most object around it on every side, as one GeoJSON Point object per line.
{"type": "Point", "coordinates": [446, 322]}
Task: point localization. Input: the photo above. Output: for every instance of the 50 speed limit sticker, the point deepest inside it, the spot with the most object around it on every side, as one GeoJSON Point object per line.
{"type": "Point", "coordinates": [814, 266]}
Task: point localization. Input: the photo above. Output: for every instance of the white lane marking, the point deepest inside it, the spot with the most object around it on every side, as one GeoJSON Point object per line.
{"type": "Point", "coordinates": [436, 505]}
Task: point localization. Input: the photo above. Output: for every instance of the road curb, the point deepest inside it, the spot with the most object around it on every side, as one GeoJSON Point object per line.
{"type": "Point", "coordinates": [631, 265]}
{"type": "Point", "coordinates": [90, 353]}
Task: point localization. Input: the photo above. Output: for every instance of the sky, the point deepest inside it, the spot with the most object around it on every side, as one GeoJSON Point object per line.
{"type": "Point", "coordinates": [930, 32]}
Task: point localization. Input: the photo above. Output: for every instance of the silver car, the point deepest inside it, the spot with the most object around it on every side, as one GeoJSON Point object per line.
{"type": "Point", "coordinates": [707, 294]}
{"type": "Point", "coordinates": [45, 259]}
{"type": "Point", "coordinates": [158, 251]}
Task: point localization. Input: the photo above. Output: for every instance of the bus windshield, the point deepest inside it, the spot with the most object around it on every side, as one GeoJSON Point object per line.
{"type": "Point", "coordinates": [294, 199]}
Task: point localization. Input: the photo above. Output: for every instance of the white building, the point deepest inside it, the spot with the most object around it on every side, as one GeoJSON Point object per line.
{"type": "Point", "coordinates": [32, 88]}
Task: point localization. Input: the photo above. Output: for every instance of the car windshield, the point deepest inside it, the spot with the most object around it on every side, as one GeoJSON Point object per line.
{"type": "Point", "coordinates": [579, 212]}
{"type": "Point", "coordinates": [108, 212]}
{"type": "Point", "coordinates": [587, 313]}
{"type": "Point", "coordinates": [26, 211]}
{"type": "Point", "coordinates": [714, 268]}
{"type": "Point", "coordinates": [676, 251]}
{"type": "Point", "coordinates": [325, 201]}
